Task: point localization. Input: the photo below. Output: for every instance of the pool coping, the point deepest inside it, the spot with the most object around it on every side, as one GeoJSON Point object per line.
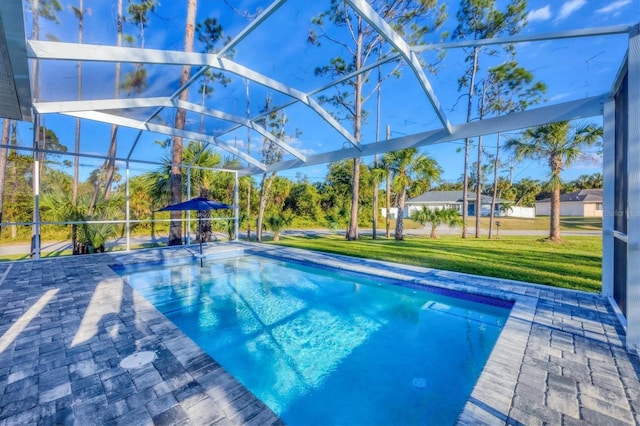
{"type": "Point", "coordinates": [560, 358]}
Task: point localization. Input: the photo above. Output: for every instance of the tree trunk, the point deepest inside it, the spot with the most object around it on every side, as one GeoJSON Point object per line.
{"type": "Point", "coordinates": [467, 145]}
{"type": "Point", "coordinates": [111, 161]}
{"type": "Point", "coordinates": [479, 188]}
{"type": "Point", "coordinates": [400, 215]}
{"type": "Point", "coordinates": [494, 196]}
{"type": "Point", "coordinates": [6, 124]}
{"type": "Point", "coordinates": [113, 147]}
{"type": "Point", "coordinates": [388, 192]}
{"type": "Point", "coordinates": [175, 229]}
{"type": "Point", "coordinates": [352, 232]}
{"type": "Point", "coordinates": [434, 233]}
{"type": "Point", "coordinates": [76, 159]}
{"type": "Point", "coordinates": [265, 187]}
{"type": "Point", "coordinates": [374, 222]}
{"type": "Point", "coordinates": [388, 204]}
{"type": "Point", "coordinates": [555, 163]}
{"type": "Point", "coordinates": [479, 168]}
{"type": "Point", "coordinates": [465, 186]}
{"type": "Point", "coordinates": [554, 223]}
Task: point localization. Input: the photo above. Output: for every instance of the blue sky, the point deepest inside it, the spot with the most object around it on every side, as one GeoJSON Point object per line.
{"type": "Point", "coordinates": [571, 69]}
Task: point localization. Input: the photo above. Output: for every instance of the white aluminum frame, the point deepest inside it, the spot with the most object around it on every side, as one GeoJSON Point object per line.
{"type": "Point", "coordinates": [633, 194]}
{"type": "Point", "coordinates": [11, 15]}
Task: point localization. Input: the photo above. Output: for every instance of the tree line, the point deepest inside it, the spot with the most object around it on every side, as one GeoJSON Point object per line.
{"type": "Point", "coordinates": [322, 204]}
{"type": "Point", "coordinates": [351, 190]}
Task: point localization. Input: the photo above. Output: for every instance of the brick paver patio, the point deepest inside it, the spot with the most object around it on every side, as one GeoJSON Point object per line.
{"type": "Point", "coordinates": [66, 323]}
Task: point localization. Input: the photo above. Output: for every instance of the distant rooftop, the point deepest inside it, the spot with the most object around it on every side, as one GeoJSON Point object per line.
{"type": "Point", "coordinates": [584, 195]}
{"type": "Point", "coordinates": [449, 197]}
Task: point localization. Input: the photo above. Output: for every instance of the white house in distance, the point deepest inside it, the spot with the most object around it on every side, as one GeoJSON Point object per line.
{"type": "Point", "coordinates": [584, 203]}
{"type": "Point", "coordinates": [453, 199]}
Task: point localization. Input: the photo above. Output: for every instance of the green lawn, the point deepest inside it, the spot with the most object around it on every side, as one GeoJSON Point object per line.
{"type": "Point", "coordinates": [575, 263]}
{"type": "Point", "coordinates": [541, 223]}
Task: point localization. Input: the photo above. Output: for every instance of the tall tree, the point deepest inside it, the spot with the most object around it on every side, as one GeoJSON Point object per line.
{"type": "Point", "coordinates": [113, 143]}
{"type": "Point", "coordinates": [559, 144]}
{"type": "Point", "coordinates": [479, 19]}
{"type": "Point", "coordinates": [335, 191]}
{"type": "Point", "coordinates": [135, 82]}
{"type": "Point", "coordinates": [386, 164]}
{"type": "Point", "coordinates": [271, 153]}
{"type": "Point", "coordinates": [210, 33]}
{"type": "Point", "coordinates": [407, 17]}
{"type": "Point", "coordinates": [202, 177]}
{"type": "Point", "coordinates": [4, 140]}
{"type": "Point", "coordinates": [526, 191]}
{"type": "Point", "coordinates": [175, 229]}
{"type": "Point", "coordinates": [511, 88]}
{"type": "Point", "coordinates": [79, 12]}
{"type": "Point", "coordinates": [413, 173]}
{"type": "Point", "coordinates": [377, 174]}
{"type": "Point", "coordinates": [46, 9]}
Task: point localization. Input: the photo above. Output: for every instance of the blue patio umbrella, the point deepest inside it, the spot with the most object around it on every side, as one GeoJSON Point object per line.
{"type": "Point", "coordinates": [197, 204]}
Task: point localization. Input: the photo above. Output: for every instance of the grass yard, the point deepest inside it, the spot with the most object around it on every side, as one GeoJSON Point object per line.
{"type": "Point", "coordinates": [576, 263]}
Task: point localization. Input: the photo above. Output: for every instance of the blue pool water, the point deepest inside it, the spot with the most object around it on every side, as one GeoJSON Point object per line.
{"type": "Point", "coordinates": [325, 347]}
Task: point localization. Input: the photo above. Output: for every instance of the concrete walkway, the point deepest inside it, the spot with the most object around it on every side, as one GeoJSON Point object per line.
{"type": "Point", "coordinates": [66, 323]}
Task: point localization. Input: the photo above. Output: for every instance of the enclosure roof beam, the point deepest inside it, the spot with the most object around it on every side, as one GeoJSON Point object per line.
{"type": "Point", "coordinates": [245, 32]}
{"type": "Point", "coordinates": [526, 38]}
{"type": "Point", "coordinates": [364, 9]}
{"type": "Point", "coordinates": [110, 157]}
{"type": "Point", "coordinates": [80, 52]}
{"type": "Point", "coordinates": [163, 102]}
{"type": "Point", "coordinates": [101, 104]}
{"type": "Point", "coordinates": [242, 71]}
{"type": "Point", "coordinates": [165, 130]}
{"type": "Point", "coordinates": [270, 10]}
{"type": "Point", "coordinates": [386, 59]}
{"type": "Point", "coordinates": [573, 110]}
{"type": "Point", "coordinates": [242, 121]}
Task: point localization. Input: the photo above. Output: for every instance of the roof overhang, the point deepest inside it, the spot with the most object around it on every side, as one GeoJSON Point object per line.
{"type": "Point", "coordinates": [15, 91]}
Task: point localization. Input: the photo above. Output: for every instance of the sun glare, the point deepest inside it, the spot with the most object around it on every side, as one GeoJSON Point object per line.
{"type": "Point", "coordinates": [15, 330]}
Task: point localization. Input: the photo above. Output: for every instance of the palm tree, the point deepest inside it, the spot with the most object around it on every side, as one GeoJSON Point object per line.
{"type": "Point", "coordinates": [278, 222]}
{"type": "Point", "coordinates": [437, 217]}
{"type": "Point", "coordinates": [202, 178]}
{"type": "Point", "coordinates": [175, 228]}
{"type": "Point", "coordinates": [559, 144]}
{"type": "Point", "coordinates": [377, 174]}
{"type": "Point", "coordinates": [86, 237]}
{"type": "Point", "coordinates": [412, 173]}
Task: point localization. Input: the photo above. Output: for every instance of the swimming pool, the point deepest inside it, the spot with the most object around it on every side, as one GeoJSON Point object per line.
{"type": "Point", "coordinates": [320, 346]}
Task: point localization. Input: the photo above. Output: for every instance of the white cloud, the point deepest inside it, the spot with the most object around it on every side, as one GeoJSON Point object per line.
{"type": "Point", "coordinates": [570, 6]}
{"type": "Point", "coordinates": [618, 4]}
{"type": "Point", "coordinates": [542, 14]}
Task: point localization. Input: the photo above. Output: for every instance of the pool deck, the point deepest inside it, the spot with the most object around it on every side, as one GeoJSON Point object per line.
{"type": "Point", "coordinates": [66, 324]}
